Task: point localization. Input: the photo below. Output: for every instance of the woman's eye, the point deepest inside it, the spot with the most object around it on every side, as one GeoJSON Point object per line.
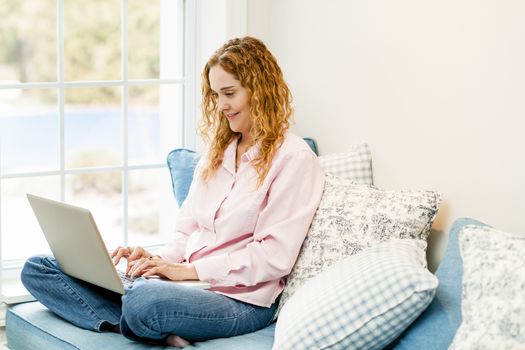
{"type": "Point", "coordinates": [229, 94]}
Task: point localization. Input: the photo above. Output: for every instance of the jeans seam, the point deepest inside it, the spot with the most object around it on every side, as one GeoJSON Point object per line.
{"type": "Point", "coordinates": [77, 296]}
{"type": "Point", "coordinates": [178, 315]}
{"type": "Point", "coordinates": [155, 319]}
{"type": "Point", "coordinates": [214, 318]}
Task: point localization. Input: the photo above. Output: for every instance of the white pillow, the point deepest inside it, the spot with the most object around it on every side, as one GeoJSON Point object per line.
{"type": "Point", "coordinates": [493, 297]}
{"type": "Point", "coordinates": [356, 164]}
{"type": "Point", "coordinates": [353, 217]}
{"type": "Point", "coordinates": [363, 302]}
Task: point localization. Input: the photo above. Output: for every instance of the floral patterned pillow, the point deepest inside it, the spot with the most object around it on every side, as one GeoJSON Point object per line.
{"type": "Point", "coordinates": [493, 298]}
{"type": "Point", "coordinates": [352, 217]}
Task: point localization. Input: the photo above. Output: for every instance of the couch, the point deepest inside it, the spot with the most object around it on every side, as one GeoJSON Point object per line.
{"type": "Point", "coordinates": [361, 280]}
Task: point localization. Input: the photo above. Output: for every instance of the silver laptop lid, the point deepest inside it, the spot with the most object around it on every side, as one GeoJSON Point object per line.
{"type": "Point", "coordinates": [76, 243]}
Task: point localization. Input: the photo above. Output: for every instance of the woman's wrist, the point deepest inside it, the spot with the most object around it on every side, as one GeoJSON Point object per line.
{"type": "Point", "coordinates": [192, 272]}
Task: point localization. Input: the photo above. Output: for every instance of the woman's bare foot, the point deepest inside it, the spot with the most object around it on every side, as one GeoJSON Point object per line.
{"type": "Point", "coordinates": [176, 341]}
{"type": "Point", "coordinates": [108, 327]}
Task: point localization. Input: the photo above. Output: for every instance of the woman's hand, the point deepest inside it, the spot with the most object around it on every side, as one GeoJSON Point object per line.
{"type": "Point", "coordinates": [156, 266]}
{"type": "Point", "coordinates": [130, 254]}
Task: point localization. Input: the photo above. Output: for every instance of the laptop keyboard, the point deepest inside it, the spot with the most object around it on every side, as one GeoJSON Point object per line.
{"type": "Point", "coordinates": [126, 280]}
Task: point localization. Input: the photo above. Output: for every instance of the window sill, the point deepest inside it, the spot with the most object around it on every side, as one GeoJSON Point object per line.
{"type": "Point", "coordinates": [13, 292]}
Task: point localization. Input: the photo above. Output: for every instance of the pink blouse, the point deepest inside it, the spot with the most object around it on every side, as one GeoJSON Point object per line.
{"type": "Point", "coordinates": [244, 240]}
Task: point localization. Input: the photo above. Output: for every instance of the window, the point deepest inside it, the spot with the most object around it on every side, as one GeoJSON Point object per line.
{"type": "Point", "coordinates": [92, 98]}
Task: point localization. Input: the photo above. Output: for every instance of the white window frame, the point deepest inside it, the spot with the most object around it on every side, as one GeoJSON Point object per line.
{"type": "Point", "coordinates": [187, 136]}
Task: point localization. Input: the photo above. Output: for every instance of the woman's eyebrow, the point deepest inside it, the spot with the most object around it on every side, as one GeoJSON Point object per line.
{"type": "Point", "coordinates": [229, 87]}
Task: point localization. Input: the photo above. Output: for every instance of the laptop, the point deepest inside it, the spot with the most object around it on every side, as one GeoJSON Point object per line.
{"type": "Point", "coordinates": [77, 245]}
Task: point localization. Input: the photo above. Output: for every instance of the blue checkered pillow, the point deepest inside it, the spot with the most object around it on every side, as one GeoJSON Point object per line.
{"type": "Point", "coordinates": [363, 302]}
{"type": "Point", "coordinates": [355, 164]}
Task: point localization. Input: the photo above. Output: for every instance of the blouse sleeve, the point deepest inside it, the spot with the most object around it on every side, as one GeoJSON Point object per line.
{"type": "Point", "coordinates": [283, 223]}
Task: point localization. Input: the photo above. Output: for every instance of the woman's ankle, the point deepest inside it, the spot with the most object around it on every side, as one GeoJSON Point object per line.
{"type": "Point", "coordinates": [108, 327]}
{"type": "Point", "coordinates": [176, 341]}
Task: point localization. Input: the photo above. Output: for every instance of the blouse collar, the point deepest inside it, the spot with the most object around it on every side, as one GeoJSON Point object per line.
{"type": "Point", "coordinates": [228, 161]}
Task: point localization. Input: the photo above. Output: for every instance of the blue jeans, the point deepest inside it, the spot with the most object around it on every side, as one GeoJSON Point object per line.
{"type": "Point", "coordinates": [149, 311]}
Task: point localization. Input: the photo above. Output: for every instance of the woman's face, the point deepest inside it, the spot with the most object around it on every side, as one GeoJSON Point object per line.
{"type": "Point", "coordinates": [233, 100]}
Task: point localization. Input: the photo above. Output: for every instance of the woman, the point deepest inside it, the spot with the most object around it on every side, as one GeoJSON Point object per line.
{"type": "Point", "coordinates": [248, 210]}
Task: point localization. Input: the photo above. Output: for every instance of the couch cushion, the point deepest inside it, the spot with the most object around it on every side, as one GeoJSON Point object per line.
{"type": "Point", "coordinates": [181, 164]}
{"type": "Point", "coordinates": [32, 326]}
{"type": "Point", "coordinates": [437, 325]}
{"type": "Point", "coordinates": [362, 302]}
{"type": "Point", "coordinates": [312, 143]}
{"type": "Point", "coordinates": [352, 217]}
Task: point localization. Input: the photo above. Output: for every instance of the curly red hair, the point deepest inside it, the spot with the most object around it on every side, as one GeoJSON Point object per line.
{"type": "Point", "coordinates": [250, 62]}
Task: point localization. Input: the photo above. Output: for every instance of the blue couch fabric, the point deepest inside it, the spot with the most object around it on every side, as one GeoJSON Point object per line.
{"type": "Point", "coordinates": [32, 326]}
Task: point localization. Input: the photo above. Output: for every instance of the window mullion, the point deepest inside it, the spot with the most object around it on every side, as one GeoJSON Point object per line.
{"type": "Point", "coordinates": [190, 41]}
{"type": "Point", "coordinates": [124, 75]}
{"type": "Point", "coordinates": [91, 83]}
{"type": "Point", "coordinates": [1, 233]}
{"type": "Point", "coordinates": [61, 95]}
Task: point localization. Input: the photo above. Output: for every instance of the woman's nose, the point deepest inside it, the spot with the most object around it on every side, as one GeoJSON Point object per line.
{"type": "Point", "coordinates": [223, 106]}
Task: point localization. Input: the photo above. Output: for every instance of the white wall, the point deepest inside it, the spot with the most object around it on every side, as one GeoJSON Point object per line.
{"type": "Point", "coordinates": [216, 21]}
{"type": "Point", "coordinates": [437, 88]}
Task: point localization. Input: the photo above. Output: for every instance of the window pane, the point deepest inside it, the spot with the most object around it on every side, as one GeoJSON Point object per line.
{"type": "Point", "coordinates": [144, 124]}
{"type": "Point", "coordinates": [93, 127]}
{"type": "Point", "coordinates": [101, 193]}
{"type": "Point", "coordinates": [92, 39]}
{"type": "Point", "coordinates": [21, 234]}
{"type": "Point", "coordinates": [29, 130]}
{"type": "Point", "coordinates": [154, 39]}
{"type": "Point", "coordinates": [171, 119]}
{"type": "Point", "coordinates": [153, 130]}
{"type": "Point", "coordinates": [28, 41]}
{"type": "Point", "coordinates": [143, 39]}
{"type": "Point", "coordinates": [152, 207]}
{"type": "Point", "coordinates": [171, 38]}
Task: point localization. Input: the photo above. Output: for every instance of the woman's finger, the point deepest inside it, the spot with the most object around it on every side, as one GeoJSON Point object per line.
{"type": "Point", "coordinates": [119, 254]}
{"type": "Point", "coordinates": [138, 266]}
{"type": "Point", "coordinates": [137, 253]}
{"type": "Point", "coordinates": [134, 253]}
{"type": "Point", "coordinates": [114, 252]}
{"type": "Point", "coordinates": [154, 271]}
{"type": "Point", "coordinates": [164, 269]}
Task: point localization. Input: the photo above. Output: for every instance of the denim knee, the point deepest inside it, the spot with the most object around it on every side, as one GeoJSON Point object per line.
{"type": "Point", "coordinates": [139, 310]}
{"type": "Point", "coordinates": [33, 268]}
